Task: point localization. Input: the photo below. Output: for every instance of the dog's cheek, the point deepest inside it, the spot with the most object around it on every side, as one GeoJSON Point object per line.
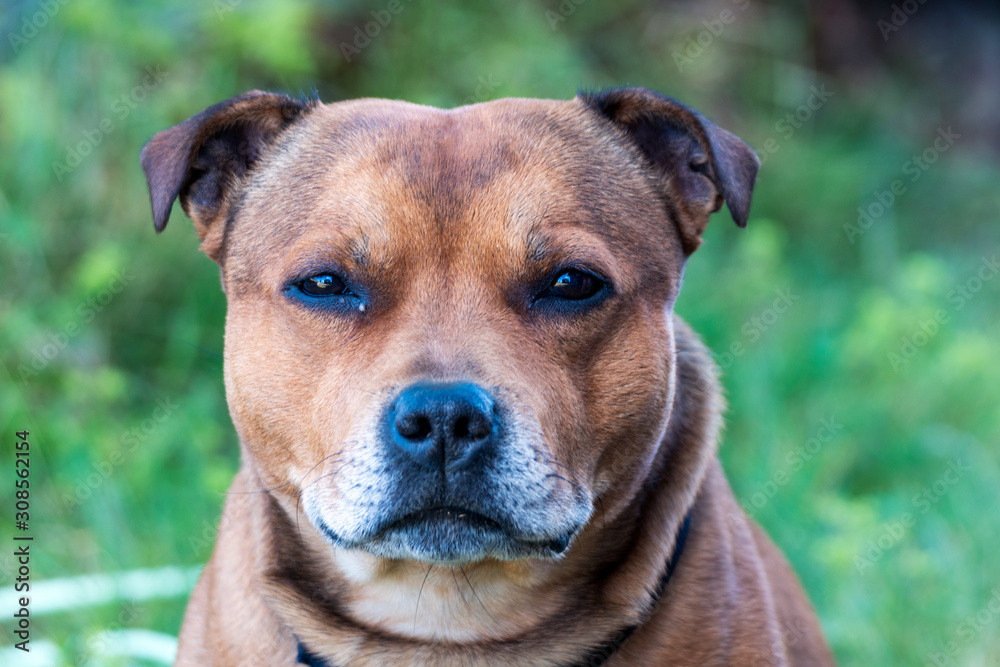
{"type": "Point", "coordinates": [631, 391]}
{"type": "Point", "coordinates": [271, 390]}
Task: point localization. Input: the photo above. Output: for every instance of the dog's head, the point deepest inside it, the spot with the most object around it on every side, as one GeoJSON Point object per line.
{"type": "Point", "coordinates": [450, 332]}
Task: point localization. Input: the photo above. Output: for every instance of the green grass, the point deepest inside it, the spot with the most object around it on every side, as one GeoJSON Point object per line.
{"type": "Point", "coordinates": [108, 497]}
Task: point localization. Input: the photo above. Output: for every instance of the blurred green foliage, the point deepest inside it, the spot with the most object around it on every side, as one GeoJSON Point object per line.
{"type": "Point", "coordinates": [102, 318]}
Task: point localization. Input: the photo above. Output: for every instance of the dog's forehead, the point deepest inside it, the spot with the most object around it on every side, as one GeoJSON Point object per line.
{"type": "Point", "coordinates": [380, 174]}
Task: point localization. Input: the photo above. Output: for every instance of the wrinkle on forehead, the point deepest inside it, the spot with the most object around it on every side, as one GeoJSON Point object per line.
{"type": "Point", "coordinates": [373, 171]}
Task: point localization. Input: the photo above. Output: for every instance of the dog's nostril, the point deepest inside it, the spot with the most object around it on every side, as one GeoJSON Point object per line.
{"type": "Point", "coordinates": [414, 427]}
{"type": "Point", "coordinates": [478, 427]}
{"type": "Point", "coordinates": [461, 428]}
{"type": "Point", "coordinates": [471, 428]}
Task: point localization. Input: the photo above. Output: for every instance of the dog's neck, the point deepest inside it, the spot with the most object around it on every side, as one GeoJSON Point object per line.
{"type": "Point", "coordinates": [351, 608]}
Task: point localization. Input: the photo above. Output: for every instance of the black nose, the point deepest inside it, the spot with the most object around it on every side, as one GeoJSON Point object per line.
{"type": "Point", "coordinates": [443, 425]}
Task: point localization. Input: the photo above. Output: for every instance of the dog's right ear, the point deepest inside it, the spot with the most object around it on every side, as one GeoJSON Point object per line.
{"type": "Point", "coordinates": [204, 159]}
{"type": "Point", "coordinates": [697, 163]}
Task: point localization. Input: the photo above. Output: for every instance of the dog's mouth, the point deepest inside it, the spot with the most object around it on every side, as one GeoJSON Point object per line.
{"type": "Point", "coordinates": [446, 517]}
{"type": "Point", "coordinates": [454, 535]}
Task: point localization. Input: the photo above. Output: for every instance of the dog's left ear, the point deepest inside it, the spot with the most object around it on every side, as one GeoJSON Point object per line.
{"type": "Point", "coordinates": [204, 159]}
{"type": "Point", "coordinates": [699, 165]}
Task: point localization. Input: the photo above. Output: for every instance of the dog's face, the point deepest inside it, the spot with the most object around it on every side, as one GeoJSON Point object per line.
{"type": "Point", "coordinates": [449, 332]}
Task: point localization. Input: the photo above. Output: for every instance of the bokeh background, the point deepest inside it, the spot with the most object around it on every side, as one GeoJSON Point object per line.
{"type": "Point", "coordinates": [856, 319]}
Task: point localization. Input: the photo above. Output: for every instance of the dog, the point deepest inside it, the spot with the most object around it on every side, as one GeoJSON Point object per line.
{"type": "Point", "coordinates": [472, 430]}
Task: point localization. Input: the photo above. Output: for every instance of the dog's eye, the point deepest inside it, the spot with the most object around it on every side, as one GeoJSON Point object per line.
{"type": "Point", "coordinates": [323, 285]}
{"type": "Point", "coordinates": [575, 285]}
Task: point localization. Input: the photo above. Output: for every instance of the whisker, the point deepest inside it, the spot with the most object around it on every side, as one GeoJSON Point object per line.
{"type": "Point", "coordinates": [458, 586]}
{"type": "Point", "coordinates": [298, 497]}
{"type": "Point", "coordinates": [574, 484]}
{"type": "Point", "coordinates": [600, 501]}
{"type": "Point", "coordinates": [419, 593]}
{"type": "Point", "coordinates": [573, 472]}
{"type": "Point", "coordinates": [561, 465]}
{"type": "Point", "coordinates": [319, 463]}
{"type": "Point", "coordinates": [473, 589]}
{"type": "Point", "coordinates": [242, 493]}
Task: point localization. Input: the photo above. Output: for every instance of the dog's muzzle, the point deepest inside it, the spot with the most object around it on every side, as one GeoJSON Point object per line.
{"type": "Point", "coordinates": [454, 489]}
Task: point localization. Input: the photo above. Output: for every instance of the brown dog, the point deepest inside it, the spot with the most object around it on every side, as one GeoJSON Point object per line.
{"type": "Point", "coordinates": [472, 430]}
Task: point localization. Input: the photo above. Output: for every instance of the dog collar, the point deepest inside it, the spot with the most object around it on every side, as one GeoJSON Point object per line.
{"type": "Point", "coordinates": [599, 654]}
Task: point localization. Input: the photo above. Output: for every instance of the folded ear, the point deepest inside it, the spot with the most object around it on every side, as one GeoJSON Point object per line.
{"type": "Point", "coordinates": [204, 159]}
{"type": "Point", "coordinates": [699, 165]}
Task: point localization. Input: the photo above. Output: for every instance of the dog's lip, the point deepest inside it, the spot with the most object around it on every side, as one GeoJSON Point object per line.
{"type": "Point", "coordinates": [438, 517]}
{"type": "Point", "coordinates": [454, 514]}
{"type": "Point", "coordinates": [446, 513]}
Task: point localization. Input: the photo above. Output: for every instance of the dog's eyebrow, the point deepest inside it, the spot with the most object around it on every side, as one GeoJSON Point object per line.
{"type": "Point", "coordinates": [538, 246]}
{"type": "Point", "coordinates": [544, 248]}
{"type": "Point", "coordinates": [360, 251]}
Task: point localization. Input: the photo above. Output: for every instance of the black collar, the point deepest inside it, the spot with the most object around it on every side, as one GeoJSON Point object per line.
{"type": "Point", "coordinates": [601, 653]}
